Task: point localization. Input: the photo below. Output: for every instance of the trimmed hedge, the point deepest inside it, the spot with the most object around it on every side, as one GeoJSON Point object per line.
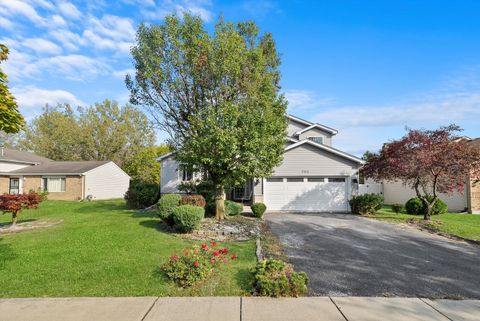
{"type": "Point", "coordinates": [195, 200]}
{"type": "Point", "coordinates": [166, 205]}
{"type": "Point", "coordinates": [258, 209]}
{"type": "Point", "coordinates": [232, 208]}
{"type": "Point", "coordinates": [187, 218]}
{"type": "Point", "coordinates": [366, 204]}
{"type": "Point", "coordinates": [141, 194]}
{"type": "Point", "coordinates": [415, 206]}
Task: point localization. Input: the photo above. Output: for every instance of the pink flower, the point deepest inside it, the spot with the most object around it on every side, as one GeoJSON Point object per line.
{"type": "Point", "coordinates": [174, 258]}
{"type": "Point", "coordinates": [212, 260]}
{"type": "Point", "coordinates": [213, 243]}
{"type": "Point", "coordinates": [225, 260]}
{"type": "Point", "coordinates": [234, 256]}
{"type": "Point", "coordinates": [204, 247]}
{"type": "Point", "coordinates": [216, 253]}
{"type": "Point", "coordinates": [195, 264]}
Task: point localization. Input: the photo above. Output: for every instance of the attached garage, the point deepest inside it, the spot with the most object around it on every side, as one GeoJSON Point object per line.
{"type": "Point", "coordinates": [311, 178]}
{"type": "Point", "coordinates": [306, 194]}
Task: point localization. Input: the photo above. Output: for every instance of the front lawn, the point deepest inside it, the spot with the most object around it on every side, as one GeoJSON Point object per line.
{"type": "Point", "coordinates": [102, 249]}
{"type": "Point", "coordinates": [463, 225]}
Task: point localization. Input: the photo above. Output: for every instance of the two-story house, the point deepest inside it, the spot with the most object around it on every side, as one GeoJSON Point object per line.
{"type": "Point", "coordinates": [313, 176]}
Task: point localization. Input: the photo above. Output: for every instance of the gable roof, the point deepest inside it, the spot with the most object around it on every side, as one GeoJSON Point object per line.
{"type": "Point", "coordinates": [311, 125]}
{"type": "Point", "coordinates": [60, 167]}
{"type": "Point", "coordinates": [161, 158]}
{"type": "Point", "coordinates": [326, 148]}
{"type": "Point", "coordinates": [18, 156]}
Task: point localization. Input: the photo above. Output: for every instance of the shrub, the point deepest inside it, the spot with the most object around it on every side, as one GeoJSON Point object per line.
{"type": "Point", "coordinates": [188, 187]}
{"type": "Point", "coordinates": [276, 278]}
{"type": "Point", "coordinates": [141, 194]}
{"type": "Point", "coordinates": [415, 206]}
{"type": "Point", "coordinates": [195, 200]}
{"type": "Point", "coordinates": [207, 190]}
{"type": "Point", "coordinates": [15, 203]}
{"type": "Point", "coordinates": [42, 194]}
{"type": "Point", "coordinates": [233, 208]}
{"type": "Point", "coordinates": [196, 263]}
{"type": "Point", "coordinates": [366, 204]}
{"type": "Point", "coordinates": [166, 205]}
{"type": "Point", "coordinates": [187, 218]}
{"type": "Point", "coordinates": [397, 208]}
{"type": "Point", "coordinates": [258, 209]}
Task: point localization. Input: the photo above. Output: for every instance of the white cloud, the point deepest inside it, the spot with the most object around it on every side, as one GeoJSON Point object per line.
{"type": "Point", "coordinates": [442, 109]}
{"type": "Point", "coordinates": [16, 7]}
{"type": "Point", "coordinates": [74, 67]}
{"type": "Point", "coordinates": [19, 65]}
{"type": "Point", "coordinates": [68, 39]}
{"type": "Point", "coordinates": [6, 24]}
{"type": "Point", "coordinates": [201, 8]}
{"type": "Point", "coordinates": [57, 21]}
{"type": "Point", "coordinates": [304, 99]}
{"type": "Point", "coordinates": [42, 46]}
{"type": "Point", "coordinates": [31, 99]}
{"type": "Point", "coordinates": [110, 32]}
{"type": "Point", "coordinates": [69, 10]}
{"type": "Point", "coordinates": [122, 73]}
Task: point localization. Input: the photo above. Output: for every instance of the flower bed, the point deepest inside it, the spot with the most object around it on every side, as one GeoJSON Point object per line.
{"type": "Point", "coordinates": [197, 263]}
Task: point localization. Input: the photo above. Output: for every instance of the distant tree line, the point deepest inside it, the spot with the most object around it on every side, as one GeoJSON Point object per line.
{"type": "Point", "coordinates": [103, 131]}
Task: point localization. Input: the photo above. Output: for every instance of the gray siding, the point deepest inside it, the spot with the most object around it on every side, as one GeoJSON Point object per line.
{"type": "Point", "coordinates": [169, 176]}
{"type": "Point", "coordinates": [293, 127]}
{"type": "Point", "coordinates": [327, 137]}
{"type": "Point", "coordinates": [257, 186]}
{"type": "Point", "coordinates": [306, 160]}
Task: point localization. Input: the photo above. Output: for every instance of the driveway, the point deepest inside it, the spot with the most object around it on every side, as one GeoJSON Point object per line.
{"type": "Point", "coordinates": [349, 255]}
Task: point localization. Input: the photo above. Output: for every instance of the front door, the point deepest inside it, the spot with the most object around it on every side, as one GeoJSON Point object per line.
{"type": "Point", "coordinates": [14, 185]}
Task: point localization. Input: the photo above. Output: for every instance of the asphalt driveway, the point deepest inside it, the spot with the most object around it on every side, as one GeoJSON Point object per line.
{"type": "Point", "coordinates": [345, 254]}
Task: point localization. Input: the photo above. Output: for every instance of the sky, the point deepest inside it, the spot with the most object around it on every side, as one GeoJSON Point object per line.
{"type": "Point", "coordinates": [367, 68]}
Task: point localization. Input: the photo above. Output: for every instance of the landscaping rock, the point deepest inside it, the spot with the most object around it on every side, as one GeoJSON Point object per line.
{"type": "Point", "coordinates": [237, 228]}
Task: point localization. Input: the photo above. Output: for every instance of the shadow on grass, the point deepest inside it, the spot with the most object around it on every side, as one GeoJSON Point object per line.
{"type": "Point", "coordinates": [6, 253]}
{"type": "Point", "coordinates": [18, 222]}
{"type": "Point", "coordinates": [101, 206]}
{"type": "Point", "coordinates": [244, 279]}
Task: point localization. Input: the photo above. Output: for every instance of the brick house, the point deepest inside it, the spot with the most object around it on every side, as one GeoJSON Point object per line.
{"type": "Point", "coordinates": [21, 172]}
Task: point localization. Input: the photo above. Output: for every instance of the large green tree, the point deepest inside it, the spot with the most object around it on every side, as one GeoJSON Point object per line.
{"type": "Point", "coordinates": [144, 167]}
{"type": "Point", "coordinates": [11, 121]}
{"type": "Point", "coordinates": [217, 95]}
{"type": "Point", "coordinates": [104, 131]}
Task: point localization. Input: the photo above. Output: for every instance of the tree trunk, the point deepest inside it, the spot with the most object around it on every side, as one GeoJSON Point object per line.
{"type": "Point", "coordinates": [220, 203]}
{"type": "Point", "coordinates": [14, 221]}
{"type": "Point", "coordinates": [428, 210]}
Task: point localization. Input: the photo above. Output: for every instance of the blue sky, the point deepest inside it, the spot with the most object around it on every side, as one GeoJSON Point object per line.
{"type": "Point", "coordinates": [367, 68]}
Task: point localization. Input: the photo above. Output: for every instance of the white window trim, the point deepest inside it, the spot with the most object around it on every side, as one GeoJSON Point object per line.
{"type": "Point", "coordinates": [321, 137]}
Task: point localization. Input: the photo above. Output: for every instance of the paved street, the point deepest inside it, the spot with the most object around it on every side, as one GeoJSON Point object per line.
{"type": "Point", "coordinates": [237, 309]}
{"type": "Point", "coordinates": [348, 255]}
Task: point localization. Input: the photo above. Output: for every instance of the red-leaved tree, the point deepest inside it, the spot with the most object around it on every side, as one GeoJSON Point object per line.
{"type": "Point", "coordinates": [15, 203]}
{"type": "Point", "coordinates": [428, 161]}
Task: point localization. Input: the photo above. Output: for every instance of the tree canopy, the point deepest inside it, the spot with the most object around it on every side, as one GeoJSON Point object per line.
{"type": "Point", "coordinates": [144, 167]}
{"type": "Point", "coordinates": [216, 95]}
{"type": "Point", "coordinates": [103, 131]}
{"type": "Point", "coordinates": [428, 161]}
{"type": "Point", "coordinates": [11, 121]}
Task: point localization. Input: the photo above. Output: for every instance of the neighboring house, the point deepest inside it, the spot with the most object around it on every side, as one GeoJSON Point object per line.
{"type": "Point", "coordinates": [397, 193]}
{"type": "Point", "coordinates": [313, 176]}
{"type": "Point", "coordinates": [21, 172]}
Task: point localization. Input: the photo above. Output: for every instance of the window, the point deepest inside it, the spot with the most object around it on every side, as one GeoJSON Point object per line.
{"type": "Point", "coordinates": [185, 174]}
{"type": "Point", "coordinates": [337, 179]}
{"type": "Point", "coordinates": [274, 179]}
{"type": "Point", "coordinates": [295, 179]}
{"type": "Point", "coordinates": [316, 179]}
{"type": "Point", "coordinates": [54, 184]}
{"type": "Point", "coordinates": [316, 139]}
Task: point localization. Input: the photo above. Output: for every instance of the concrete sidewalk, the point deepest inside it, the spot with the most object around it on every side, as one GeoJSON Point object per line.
{"type": "Point", "coordinates": [237, 309]}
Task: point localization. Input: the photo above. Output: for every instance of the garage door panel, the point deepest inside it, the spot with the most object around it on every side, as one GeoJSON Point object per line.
{"type": "Point", "coordinates": [306, 196]}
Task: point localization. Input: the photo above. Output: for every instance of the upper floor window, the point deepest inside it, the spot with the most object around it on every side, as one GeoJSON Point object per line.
{"type": "Point", "coordinates": [54, 184]}
{"type": "Point", "coordinates": [316, 139]}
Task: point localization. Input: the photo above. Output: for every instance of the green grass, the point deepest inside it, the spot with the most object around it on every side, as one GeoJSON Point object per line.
{"type": "Point", "coordinates": [103, 249]}
{"type": "Point", "coordinates": [457, 224]}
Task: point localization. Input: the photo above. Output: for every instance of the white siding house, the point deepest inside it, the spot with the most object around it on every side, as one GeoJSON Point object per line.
{"type": "Point", "coordinates": [107, 181]}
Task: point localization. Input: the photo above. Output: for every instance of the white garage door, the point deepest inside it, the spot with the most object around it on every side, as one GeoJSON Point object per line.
{"type": "Point", "coordinates": [314, 194]}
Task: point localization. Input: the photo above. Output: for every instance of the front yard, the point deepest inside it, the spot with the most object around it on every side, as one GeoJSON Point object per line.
{"type": "Point", "coordinates": [102, 249]}
{"type": "Point", "coordinates": [463, 225]}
